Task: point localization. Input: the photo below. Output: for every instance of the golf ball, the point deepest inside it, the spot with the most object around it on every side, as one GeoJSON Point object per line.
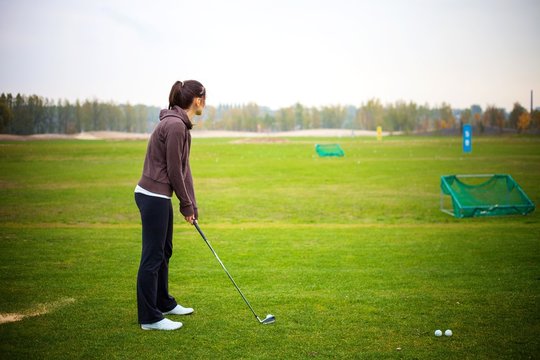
{"type": "Point", "coordinates": [438, 333]}
{"type": "Point", "coordinates": [448, 332]}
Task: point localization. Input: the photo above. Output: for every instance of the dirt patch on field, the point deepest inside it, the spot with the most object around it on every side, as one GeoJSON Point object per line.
{"type": "Point", "coordinates": [246, 136]}
{"type": "Point", "coordinates": [262, 140]}
{"type": "Point", "coordinates": [38, 310]}
{"type": "Point", "coordinates": [92, 135]}
{"type": "Point", "coordinates": [112, 135]}
{"type": "Point", "coordinates": [8, 137]}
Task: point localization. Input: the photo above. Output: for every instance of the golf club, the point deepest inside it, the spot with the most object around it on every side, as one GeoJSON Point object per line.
{"type": "Point", "coordinates": [269, 319]}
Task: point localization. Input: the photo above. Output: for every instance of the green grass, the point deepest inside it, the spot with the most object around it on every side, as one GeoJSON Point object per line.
{"type": "Point", "coordinates": [351, 254]}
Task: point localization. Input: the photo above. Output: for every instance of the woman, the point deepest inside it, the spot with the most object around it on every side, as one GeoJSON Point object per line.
{"type": "Point", "coordinates": [166, 170]}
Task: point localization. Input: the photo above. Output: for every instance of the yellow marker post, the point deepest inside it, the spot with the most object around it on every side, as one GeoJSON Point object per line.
{"type": "Point", "coordinates": [379, 133]}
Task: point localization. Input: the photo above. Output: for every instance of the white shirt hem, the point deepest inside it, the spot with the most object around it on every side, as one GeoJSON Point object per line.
{"type": "Point", "coordinates": [143, 191]}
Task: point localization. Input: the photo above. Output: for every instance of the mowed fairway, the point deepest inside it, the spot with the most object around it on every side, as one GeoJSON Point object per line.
{"type": "Point", "coordinates": [351, 255]}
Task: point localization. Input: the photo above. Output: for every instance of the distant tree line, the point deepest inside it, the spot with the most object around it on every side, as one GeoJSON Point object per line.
{"type": "Point", "coordinates": [24, 115]}
{"type": "Point", "coordinates": [395, 117]}
{"type": "Point", "coordinates": [33, 114]}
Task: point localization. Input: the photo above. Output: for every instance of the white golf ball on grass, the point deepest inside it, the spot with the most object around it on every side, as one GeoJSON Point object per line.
{"type": "Point", "coordinates": [448, 332]}
{"type": "Point", "coordinates": [438, 333]}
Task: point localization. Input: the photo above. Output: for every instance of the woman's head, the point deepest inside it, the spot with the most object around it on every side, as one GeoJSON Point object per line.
{"type": "Point", "coordinates": [187, 94]}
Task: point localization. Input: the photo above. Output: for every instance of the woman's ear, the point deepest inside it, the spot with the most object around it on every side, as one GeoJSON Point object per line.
{"type": "Point", "coordinates": [201, 102]}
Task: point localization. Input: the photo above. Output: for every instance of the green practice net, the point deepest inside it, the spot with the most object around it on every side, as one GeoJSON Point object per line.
{"type": "Point", "coordinates": [329, 150]}
{"type": "Point", "coordinates": [483, 195]}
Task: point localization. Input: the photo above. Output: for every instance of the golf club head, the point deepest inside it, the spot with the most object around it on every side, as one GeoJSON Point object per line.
{"type": "Point", "coordinates": [269, 319]}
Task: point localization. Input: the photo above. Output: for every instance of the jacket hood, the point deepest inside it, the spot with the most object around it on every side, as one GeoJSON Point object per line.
{"type": "Point", "coordinates": [176, 112]}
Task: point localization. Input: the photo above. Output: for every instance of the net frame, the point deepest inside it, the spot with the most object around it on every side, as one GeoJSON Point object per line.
{"type": "Point", "coordinates": [324, 150]}
{"type": "Point", "coordinates": [460, 210]}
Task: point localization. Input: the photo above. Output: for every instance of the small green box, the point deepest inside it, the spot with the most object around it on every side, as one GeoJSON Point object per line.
{"type": "Point", "coordinates": [329, 150]}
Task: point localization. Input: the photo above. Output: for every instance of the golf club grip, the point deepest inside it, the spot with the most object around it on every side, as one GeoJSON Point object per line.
{"type": "Point", "coordinates": [209, 246]}
{"type": "Point", "coordinates": [196, 224]}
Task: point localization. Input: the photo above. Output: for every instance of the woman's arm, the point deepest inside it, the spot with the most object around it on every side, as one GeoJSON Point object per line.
{"type": "Point", "coordinates": [174, 142]}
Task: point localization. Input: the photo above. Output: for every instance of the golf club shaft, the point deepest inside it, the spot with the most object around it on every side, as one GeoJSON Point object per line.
{"type": "Point", "coordinates": [224, 268]}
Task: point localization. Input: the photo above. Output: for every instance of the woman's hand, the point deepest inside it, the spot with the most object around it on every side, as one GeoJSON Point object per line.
{"type": "Point", "coordinates": [190, 219]}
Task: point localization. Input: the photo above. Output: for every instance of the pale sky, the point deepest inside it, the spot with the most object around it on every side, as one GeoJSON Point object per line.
{"type": "Point", "coordinates": [274, 53]}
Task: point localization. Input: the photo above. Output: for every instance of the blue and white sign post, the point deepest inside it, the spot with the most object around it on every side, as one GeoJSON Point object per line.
{"type": "Point", "coordinates": [467, 138]}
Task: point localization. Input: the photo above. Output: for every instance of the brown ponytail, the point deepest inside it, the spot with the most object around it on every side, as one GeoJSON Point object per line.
{"type": "Point", "coordinates": [183, 93]}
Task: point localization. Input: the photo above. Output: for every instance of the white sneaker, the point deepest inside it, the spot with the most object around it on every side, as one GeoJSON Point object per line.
{"type": "Point", "coordinates": [179, 310]}
{"type": "Point", "coordinates": [164, 324]}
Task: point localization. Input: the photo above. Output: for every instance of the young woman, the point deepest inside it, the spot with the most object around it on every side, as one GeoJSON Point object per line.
{"type": "Point", "coordinates": [166, 171]}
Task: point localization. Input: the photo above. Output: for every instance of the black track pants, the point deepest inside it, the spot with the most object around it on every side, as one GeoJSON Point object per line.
{"type": "Point", "coordinates": [153, 277]}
